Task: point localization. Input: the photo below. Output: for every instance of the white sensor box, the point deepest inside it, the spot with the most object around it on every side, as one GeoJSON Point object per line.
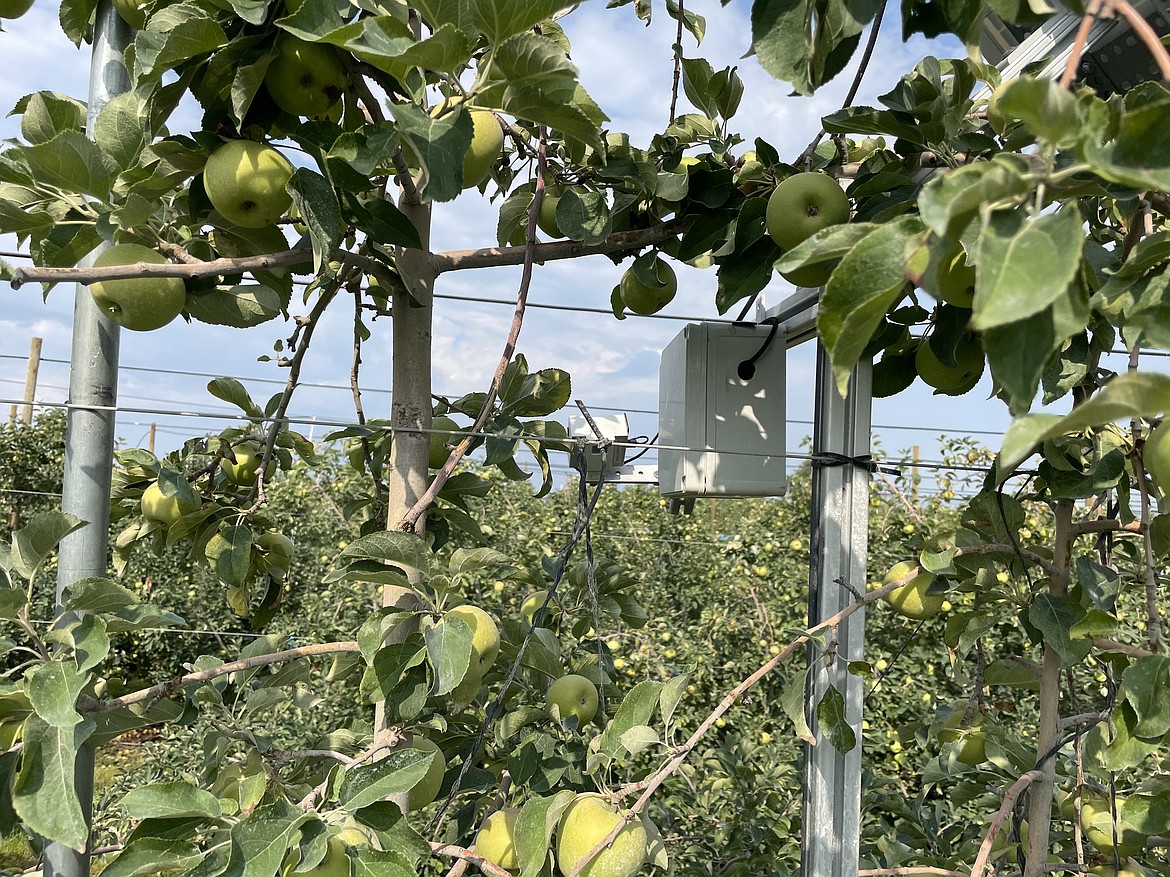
{"type": "Point", "coordinates": [721, 416]}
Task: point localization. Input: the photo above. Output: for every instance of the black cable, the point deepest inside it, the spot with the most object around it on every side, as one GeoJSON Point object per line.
{"type": "Point", "coordinates": [746, 370]}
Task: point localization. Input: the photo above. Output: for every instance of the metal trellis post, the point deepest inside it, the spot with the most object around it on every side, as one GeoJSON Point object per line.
{"type": "Point", "coordinates": [831, 827]}
{"type": "Point", "coordinates": [89, 440]}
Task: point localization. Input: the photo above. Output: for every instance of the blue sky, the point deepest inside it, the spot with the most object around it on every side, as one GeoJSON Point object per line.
{"type": "Point", "coordinates": [627, 68]}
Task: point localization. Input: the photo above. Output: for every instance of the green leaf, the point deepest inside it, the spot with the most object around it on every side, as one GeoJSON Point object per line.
{"type": "Point", "coordinates": [45, 114]}
{"type": "Point", "coordinates": [868, 280]}
{"type": "Point", "coordinates": [53, 688]}
{"type": "Point", "coordinates": [440, 145]}
{"type": "Point", "coordinates": [398, 772]}
{"type": "Point", "coordinates": [638, 738]}
{"type": "Point", "coordinates": [635, 709]}
{"type": "Point", "coordinates": [1145, 683]}
{"type": "Point", "coordinates": [807, 50]}
{"type": "Point", "coordinates": [88, 638]}
{"type": "Point", "coordinates": [1055, 617]}
{"type": "Point", "coordinates": [1113, 746]}
{"type": "Point", "coordinates": [529, 56]}
{"type": "Point", "coordinates": [825, 245]}
{"type": "Point", "coordinates": [120, 128]}
{"type": "Point", "coordinates": [671, 696]}
{"type": "Point", "coordinates": [1024, 264]}
{"type": "Point", "coordinates": [43, 793]}
{"type": "Point", "coordinates": [561, 104]}
{"type": "Point", "coordinates": [535, 823]}
{"type": "Point", "coordinates": [1128, 396]}
{"type": "Point", "coordinates": [745, 272]}
{"type": "Point", "coordinates": [374, 863]}
{"type": "Point", "coordinates": [317, 203]}
{"type": "Point", "coordinates": [170, 800]}
{"type": "Point", "coordinates": [951, 200]}
{"type": "Point", "coordinates": [464, 560]}
{"type": "Point", "coordinates": [449, 650]}
{"type": "Point", "coordinates": [232, 391]}
{"type": "Point", "coordinates": [260, 840]}
{"type": "Point", "coordinates": [174, 34]}
{"type": "Point", "coordinates": [538, 394]}
{"type": "Point", "coordinates": [500, 19]}
{"type": "Point", "coordinates": [241, 306]}
{"type": "Point", "coordinates": [831, 719]}
{"type": "Point", "coordinates": [148, 856]}
{"type": "Point", "coordinates": [1047, 108]}
{"type": "Point", "coordinates": [37, 539]}
{"type": "Point", "coordinates": [584, 216]}
{"type": "Point", "coordinates": [98, 594]}
{"type": "Point", "coordinates": [1139, 155]}
{"type": "Point", "coordinates": [72, 162]}
{"type": "Point", "coordinates": [404, 551]}
{"type": "Point", "coordinates": [229, 553]}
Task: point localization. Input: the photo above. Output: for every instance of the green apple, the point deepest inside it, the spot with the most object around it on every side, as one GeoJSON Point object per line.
{"type": "Point", "coordinates": [970, 742]}
{"type": "Point", "coordinates": [487, 141]}
{"type": "Point", "coordinates": [303, 78]}
{"type": "Point", "coordinates": [912, 599]}
{"type": "Point", "coordinates": [132, 12]}
{"type": "Point", "coordinates": [246, 181]}
{"type": "Point", "coordinates": [802, 205]}
{"type": "Point", "coordinates": [279, 551]}
{"type": "Point", "coordinates": [572, 695]}
{"type": "Point", "coordinates": [1156, 457]}
{"type": "Point", "coordinates": [644, 299]}
{"type": "Point", "coordinates": [427, 789]}
{"type": "Point", "coordinates": [485, 636]}
{"type": "Point", "coordinates": [955, 380]}
{"type": "Point", "coordinates": [439, 451]}
{"type": "Point", "coordinates": [246, 463]}
{"type": "Point", "coordinates": [496, 839]}
{"type": "Point", "coordinates": [1129, 868]}
{"type": "Point", "coordinates": [335, 863]}
{"type": "Point", "coordinates": [1099, 828]}
{"type": "Point", "coordinates": [586, 822]}
{"type": "Point", "coordinates": [165, 510]}
{"type": "Point", "coordinates": [138, 303]}
{"type": "Point", "coordinates": [546, 219]}
{"type": "Point", "coordinates": [14, 8]}
{"type": "Point", "coordinates": [955, 281]}
{"type": "Point", "coordinates": [532, 603]}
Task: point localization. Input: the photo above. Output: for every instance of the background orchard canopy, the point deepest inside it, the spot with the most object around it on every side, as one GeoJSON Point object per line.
{"type": "Point", "coordinates": [405, 659]}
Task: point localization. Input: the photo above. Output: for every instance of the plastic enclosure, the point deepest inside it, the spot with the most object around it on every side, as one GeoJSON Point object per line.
{"type": "Point", "coordinates": [615, 427]}
{"type": "Point", "coordinates": [733, 429]}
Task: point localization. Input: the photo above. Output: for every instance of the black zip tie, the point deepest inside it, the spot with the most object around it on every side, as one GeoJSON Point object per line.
{"type": "Point", "coordinates": [827, 459]}
{"type": "Point", "coordinates": [747, 369]}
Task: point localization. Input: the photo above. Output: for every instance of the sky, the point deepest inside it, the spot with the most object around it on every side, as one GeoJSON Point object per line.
{"type": "Point", "coordinates": [627, 68]}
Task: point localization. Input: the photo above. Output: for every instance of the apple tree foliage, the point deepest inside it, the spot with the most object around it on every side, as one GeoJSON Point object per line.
{"type": "Point", "coordinates": [1049, 198]}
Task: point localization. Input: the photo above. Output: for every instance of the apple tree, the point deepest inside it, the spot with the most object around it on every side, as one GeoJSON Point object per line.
{"type": "Point", "coordinates": [1013, 226]}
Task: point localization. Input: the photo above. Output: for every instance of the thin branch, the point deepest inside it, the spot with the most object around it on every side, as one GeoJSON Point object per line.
{"type": "Point", "coordinates": [912, 869]}
{"type": "Point", "coordinates": [678, 53]}
{"type": "Point", "coordinates": [1111, 645]}
{"type": "Point", "coordinates": [163, 689]}
{"type": "Point", "coordinates": [1070, 69]}
{"type": "Point", "coordinates": [285, 259]}
{"type": "Point", "coordinates": [997, 820]}
{"type": "Point", "coordinates": [1003, 548]}
{"type": "Point", "coordinates": [457, 852]}
{"type": "Point", "coordinates": [495, 257]}
{"type": "Point", "coordinates": [410, 519]}
{"type": "Point", "coordinates": [1107, 525]}
{"type": "Point", "coordinates": [731, 699]}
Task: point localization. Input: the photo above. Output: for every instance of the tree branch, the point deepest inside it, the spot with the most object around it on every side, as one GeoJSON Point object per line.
{"type": "Point", "coordinates": [495, 257]}
{"type": "Point", "coordinates": [457, 852]}
{"type": "Point", "coordinates": [188, 270]}
{"type": "Point", "coordinates": [163, 689]}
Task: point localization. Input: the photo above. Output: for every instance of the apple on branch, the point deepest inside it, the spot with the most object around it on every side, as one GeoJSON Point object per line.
{"type": "Point", "coordinates": [141, 304]}
{"type": "Point", "coordinates": [246, 182]}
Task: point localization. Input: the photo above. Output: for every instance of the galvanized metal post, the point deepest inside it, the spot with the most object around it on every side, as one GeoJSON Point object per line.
{"type": "Point", "coordinates": [831, 827]}
{"type": "Point", "coordinates": [89, 439]}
